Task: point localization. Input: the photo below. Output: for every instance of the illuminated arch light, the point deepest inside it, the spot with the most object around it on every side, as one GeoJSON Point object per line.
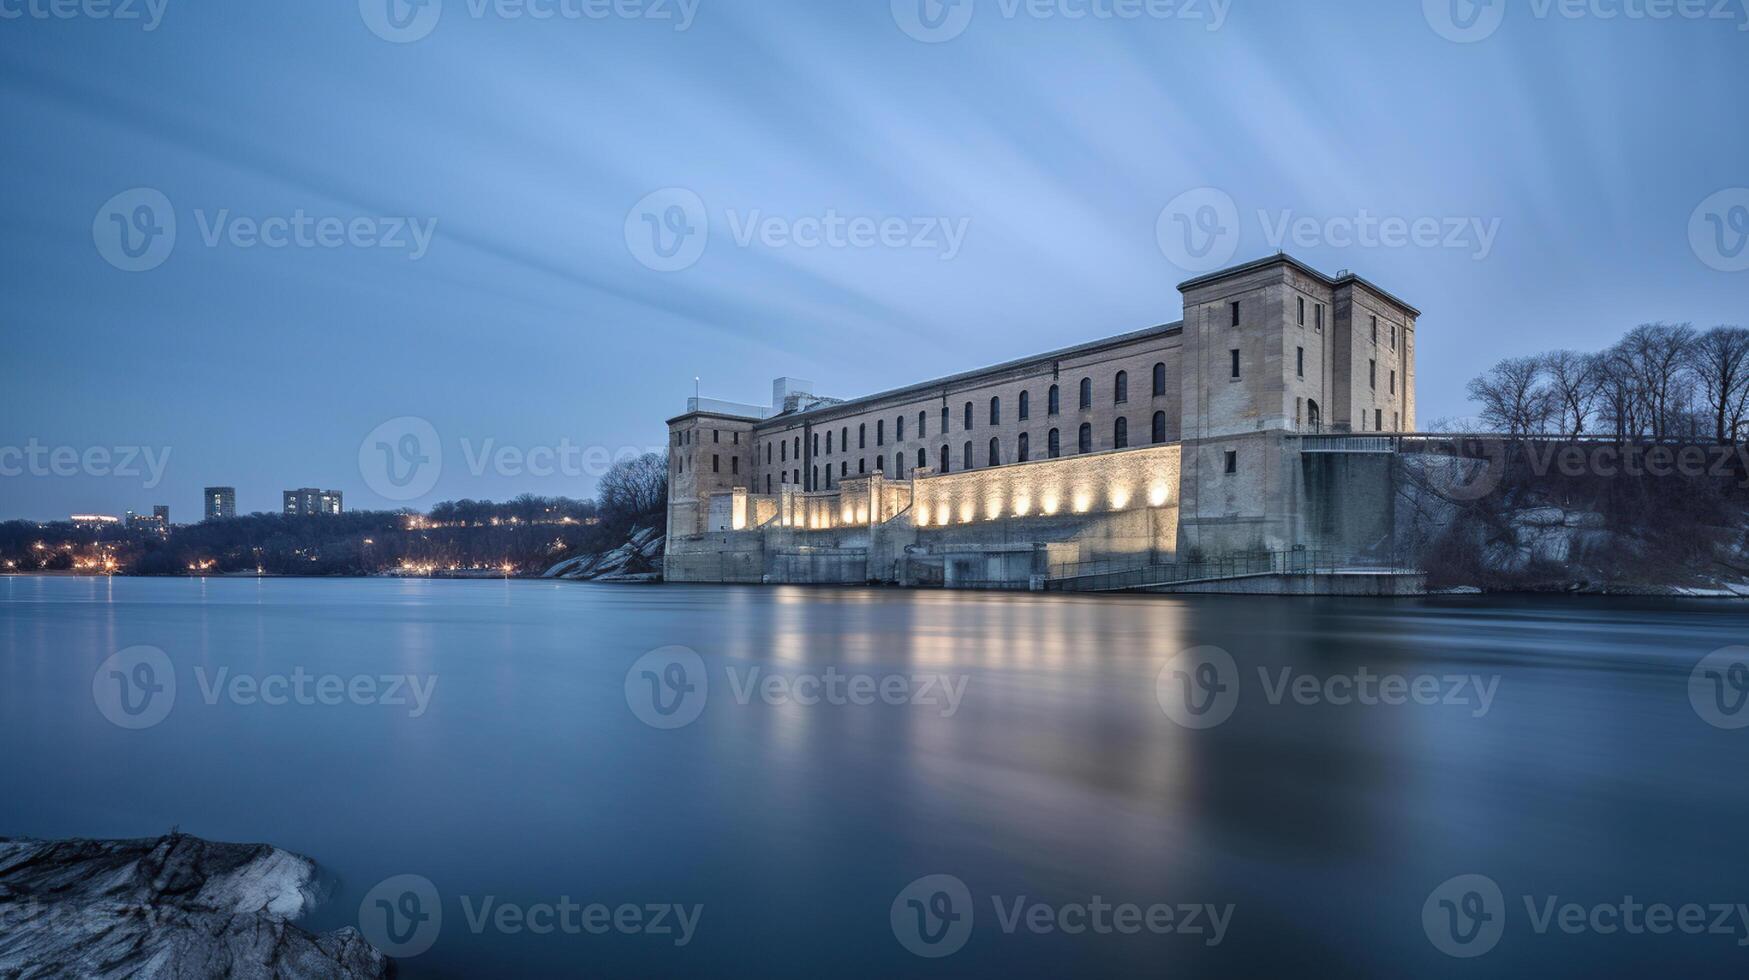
{"type": "Point", "coordinates": [1120, 498]}
{"type": "Point", "coordinates": [1083, 501]}
{"type": "Point", "coordinates": [1158, 494]}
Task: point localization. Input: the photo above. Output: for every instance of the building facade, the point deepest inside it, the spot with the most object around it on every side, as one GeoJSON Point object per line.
{"type": "Point", "coordinates": [219, 503]}
{"type": "Point", "coordinates": [1198, 420]}
{"type": "Point", "coordinates": [311, 502]}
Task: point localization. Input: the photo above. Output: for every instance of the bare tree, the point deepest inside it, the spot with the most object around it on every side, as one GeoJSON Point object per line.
{"type": "Point", "coordinates": [1719, 361]}
{"type": "Point", "coordinates": [634, 487]}
{"type": "Point", "coordinates": [1574, 388]}
{"type": "Point", "coordinates": [1658, 356]}
{"type": "Point", "coordinates": [1512, 396]}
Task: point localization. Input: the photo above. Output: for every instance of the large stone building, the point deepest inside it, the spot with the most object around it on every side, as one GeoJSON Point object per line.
{"type": "Point", "coordinates": [1181, 436]}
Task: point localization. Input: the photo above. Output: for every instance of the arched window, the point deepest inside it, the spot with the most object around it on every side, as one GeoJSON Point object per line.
{"type": "Point", "coordinates": [798, 447]}
{"type": "Point", "coordinates": [829, 442]}
{"type": "Point", "coordinates": [861, 466]}
{"type": "Point", "coordinates": [1121, 387]}
{"type": "Point", "coordinates": [814, 476]}
{"type": "Point", "coordinates": [862, 436]}
{"type": "Point", "coordinates": [995, 451]}
{"type": "Point", "coordinates": [1054, 403]}
{"type": "Point", "coordinates": [1025, 407]}
{"type": "Point", "coordinates": [944, 417]}
{"type": "Point", "coordinates": [922, 425]}
{"type": "Point", "coordinates": [881, 465]}
{"type": "Point", "coordinates": [843, 439]}
{"type": "Point", "coordinates": [1054, 444]}
{"type": "Point", "coordinates": [1159, 428]}
{"type": "Point", "coordinates": [1160, 379]}
{"type": "Point", "coordinates": [828, 476]}
{"type": "Point", "coordinates": [968, 416]}
{"type": "Point", "coordinates": [783, 451]}
{"type": "Point", "coordinates": [1312, 416]}
{"type": "Point", "coordinates": [1086, 392]}
{"type": "Point", "coordinates": [1025, 449]}
{"type": "Point", "coordinates": [1086, 437]}
{"type": "Point", "coordinates": [996, 411]}
{"type": "Point", "coordinates": [816, 445]}
{"type": "Point", "coordinates": [768, 483]}
{"type": "Point", "coordinates": [1120, 434]}
{"type": "Point", "coordinates": [966, 455]}
{"type": "Point", "coordinates": [922, 458]}
{"type": "Point", "coordinates": [945, 463]}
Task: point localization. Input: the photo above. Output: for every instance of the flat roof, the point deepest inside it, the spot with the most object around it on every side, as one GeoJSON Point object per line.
{"type": "Point", "coordinates": [1282, 258]}
{"type": "Point", "coordinates": [854, 405]}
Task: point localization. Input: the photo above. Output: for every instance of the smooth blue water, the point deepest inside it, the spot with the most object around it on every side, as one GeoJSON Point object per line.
{"type": "Point", "coordinates": [1327, 827]}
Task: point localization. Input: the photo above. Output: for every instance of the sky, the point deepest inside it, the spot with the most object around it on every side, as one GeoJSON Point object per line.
{"type": "Point", "coordinates": [278, 245]}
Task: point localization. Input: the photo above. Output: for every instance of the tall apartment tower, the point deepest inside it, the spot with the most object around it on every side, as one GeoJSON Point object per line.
{"type": "Point", "coordinates": [219, 503]}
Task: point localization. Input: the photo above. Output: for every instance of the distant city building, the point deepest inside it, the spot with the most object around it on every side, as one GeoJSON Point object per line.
{"type": "Point", "coordinates": [94, 520]}
{"type": "Point", "coordinates": [158, 521]}
{"type": "Point", "coordinates": [221, 503]}
{"type": "Point", "coordinates": [310, 502]}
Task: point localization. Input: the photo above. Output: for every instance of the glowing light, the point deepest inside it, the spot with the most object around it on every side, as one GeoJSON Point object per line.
{"type": "Point", "coordinates": [1120, 498]}
{"type": "Point", "coordinates": [1052, 505]}
{"type": "Point", "coordinates": [1083, 501]}
{"type": "Point", "coordinates": [1022, 506]}
{"type": "Point", "coordinates": [1158, 495]}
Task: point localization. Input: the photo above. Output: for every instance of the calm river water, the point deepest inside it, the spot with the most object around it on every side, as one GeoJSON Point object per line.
{"type": "Point", "coordinates": [1022, 790]}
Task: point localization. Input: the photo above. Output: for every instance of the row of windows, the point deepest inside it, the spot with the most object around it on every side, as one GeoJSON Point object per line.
{"type": "Point", "coordinates": [1053, 406]}
{"type": "Point", "coordinates": [1120, 439]}
{"type": "Point", "coordinates": [684, 437]}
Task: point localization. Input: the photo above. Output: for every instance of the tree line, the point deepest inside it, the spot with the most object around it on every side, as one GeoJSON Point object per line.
{"type": "Point", "coordinates": [1660, 381]}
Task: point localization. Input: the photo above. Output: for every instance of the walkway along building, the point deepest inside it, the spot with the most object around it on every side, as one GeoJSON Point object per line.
{"type": "Point", "coordinates": [1186, 438]}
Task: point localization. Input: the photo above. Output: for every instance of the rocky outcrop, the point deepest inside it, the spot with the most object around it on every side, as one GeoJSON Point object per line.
{"type": "Point", "coordinates": [172, 907]}
{"type": "Point", "coordinates": [638, 560]}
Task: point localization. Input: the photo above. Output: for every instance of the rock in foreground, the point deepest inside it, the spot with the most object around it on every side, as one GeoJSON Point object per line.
{"type": "Point", "coordinates": [171, 907]}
